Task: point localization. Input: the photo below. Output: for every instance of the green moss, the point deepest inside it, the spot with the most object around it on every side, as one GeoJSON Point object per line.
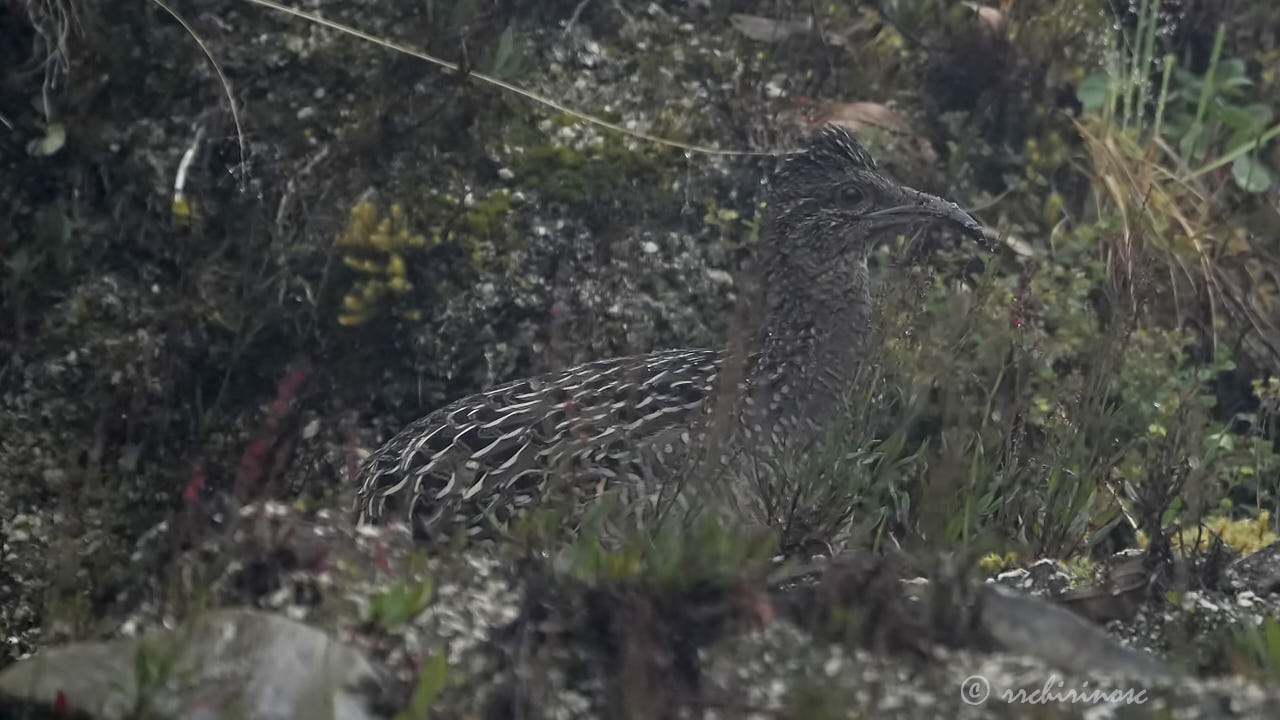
{"type": "Point", "coordinates": [993, 563]}
{"type": "Point", "coordinates": [597, 177]}
{"type": "Point", "coordinates": [486, 216]}
{"type": "Point", "coordinates": [1244, 535]}
{"type": "Point", "coordinates": [1081, 570]}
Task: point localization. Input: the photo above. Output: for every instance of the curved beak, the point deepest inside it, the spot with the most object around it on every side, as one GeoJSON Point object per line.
{"type": "Point", "coordinates": [923, 207]}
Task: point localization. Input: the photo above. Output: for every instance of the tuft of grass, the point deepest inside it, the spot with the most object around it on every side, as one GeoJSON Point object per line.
{"type": "Point", "coordinates": [1254, 651]}
{"type": "Point", "coordinates": [681, 549]}
{"type": "Point", "coordinates": [1158, 158]}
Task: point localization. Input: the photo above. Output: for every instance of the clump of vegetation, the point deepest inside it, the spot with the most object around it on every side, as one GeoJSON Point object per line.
{"type": "Point", "coordinates": [375, 247]}
{"type": "Point", "coordinates": [400, 271]}
{"type": "Point", "coordinates": [1208, 117]}
{"type": "Point", "coordinates": [1050, 404]}
{"type": "Point", "coordinates": [400, 603]}
{"type": "Point", "coordinates": [673, 551]}
{"type": "Point", "coordinates": [476, 224]}
{"type": "Point", "coordinates": [599, 178]}
{"type": "Point", "coordinates": [993, 563]}
{"type": "Point", "coordinates": [1255, 651]}
{"type": "Point", "coordinates": [1243, 535]}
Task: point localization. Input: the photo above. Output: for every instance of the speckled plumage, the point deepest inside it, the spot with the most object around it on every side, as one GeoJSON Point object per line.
{"type": "Point", "coordinates": [474, 463]}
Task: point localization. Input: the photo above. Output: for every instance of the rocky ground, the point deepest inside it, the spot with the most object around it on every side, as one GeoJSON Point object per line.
{"type": "Point", "coordinates": [366, 617]}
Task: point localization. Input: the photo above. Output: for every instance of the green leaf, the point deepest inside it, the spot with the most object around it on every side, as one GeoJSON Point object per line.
{"type": "Point", "coordinates": [400, 603]}
{"type": "Point", "coordinates": [1236, 83]}
{"type": "Point", "coordinates": [1094, 91]}
{"type": "Point", "coordinates": [1250, 174]}
{"type": "Point", "coordinates": [1188, 84]}
{"type": "Point", "coordinates": [1238, 119]}
{"type": "Point", "coordinates": [1192, 144]}
{"type": "Point", "coordinates": [430, 683]}
{"type": "Point", "coordinates": [1231, 155]}
{"type": "Point", "coordinates": [1231, 74]}
{"type": "Point", "coordinates": [503, 55]}
{"type": "Point", "coordinates": [388, 608]}
{"type": "Point", "coordinates": [1261, 114]}
{"type": "Point", "coordinates": [418, 596]}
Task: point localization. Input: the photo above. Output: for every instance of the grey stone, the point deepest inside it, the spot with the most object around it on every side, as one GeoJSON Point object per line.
{"type": "Point", "coordinates": [235, 663]}
{"type": "Point", "coordinates": [1030, 626]}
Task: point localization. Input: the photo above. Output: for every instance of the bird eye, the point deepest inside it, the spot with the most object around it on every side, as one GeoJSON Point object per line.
{"type": "Point", "coordinates": [852, 195]}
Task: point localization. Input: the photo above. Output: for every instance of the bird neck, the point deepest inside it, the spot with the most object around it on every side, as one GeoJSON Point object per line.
{"type": "Point", "coordinates": [811, 341]}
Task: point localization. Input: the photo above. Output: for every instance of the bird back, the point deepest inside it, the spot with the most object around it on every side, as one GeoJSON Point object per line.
{"type": "Point", "coordinates": [478, 460]}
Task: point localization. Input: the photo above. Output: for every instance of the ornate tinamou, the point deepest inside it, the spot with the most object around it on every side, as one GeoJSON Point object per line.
{"type": "Point", "coordinates": [476, 461]}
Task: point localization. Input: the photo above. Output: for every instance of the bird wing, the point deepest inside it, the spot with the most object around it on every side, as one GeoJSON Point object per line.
{"type": "Point", "coordinates": [490, 454]}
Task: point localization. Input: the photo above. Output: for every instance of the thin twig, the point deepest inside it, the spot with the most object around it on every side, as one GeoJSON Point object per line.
{"type": "Point", "coordinates": [528, 94]}
{"type": "Point", "coordinates": [573, 19]}
{"type": "Point", "coordinates": [226, 87]}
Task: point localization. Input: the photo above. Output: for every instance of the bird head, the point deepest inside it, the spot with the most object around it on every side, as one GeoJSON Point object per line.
{"type": "Point", "coordinates": [829, 203]}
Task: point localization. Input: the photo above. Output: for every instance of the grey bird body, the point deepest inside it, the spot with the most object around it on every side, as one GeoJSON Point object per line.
{"type": "Point", "coordinates": [473, 464]}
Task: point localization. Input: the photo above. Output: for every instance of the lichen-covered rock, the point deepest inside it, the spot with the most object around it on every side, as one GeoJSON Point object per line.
{"type": "Point", "coordinates": [226, 664]}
